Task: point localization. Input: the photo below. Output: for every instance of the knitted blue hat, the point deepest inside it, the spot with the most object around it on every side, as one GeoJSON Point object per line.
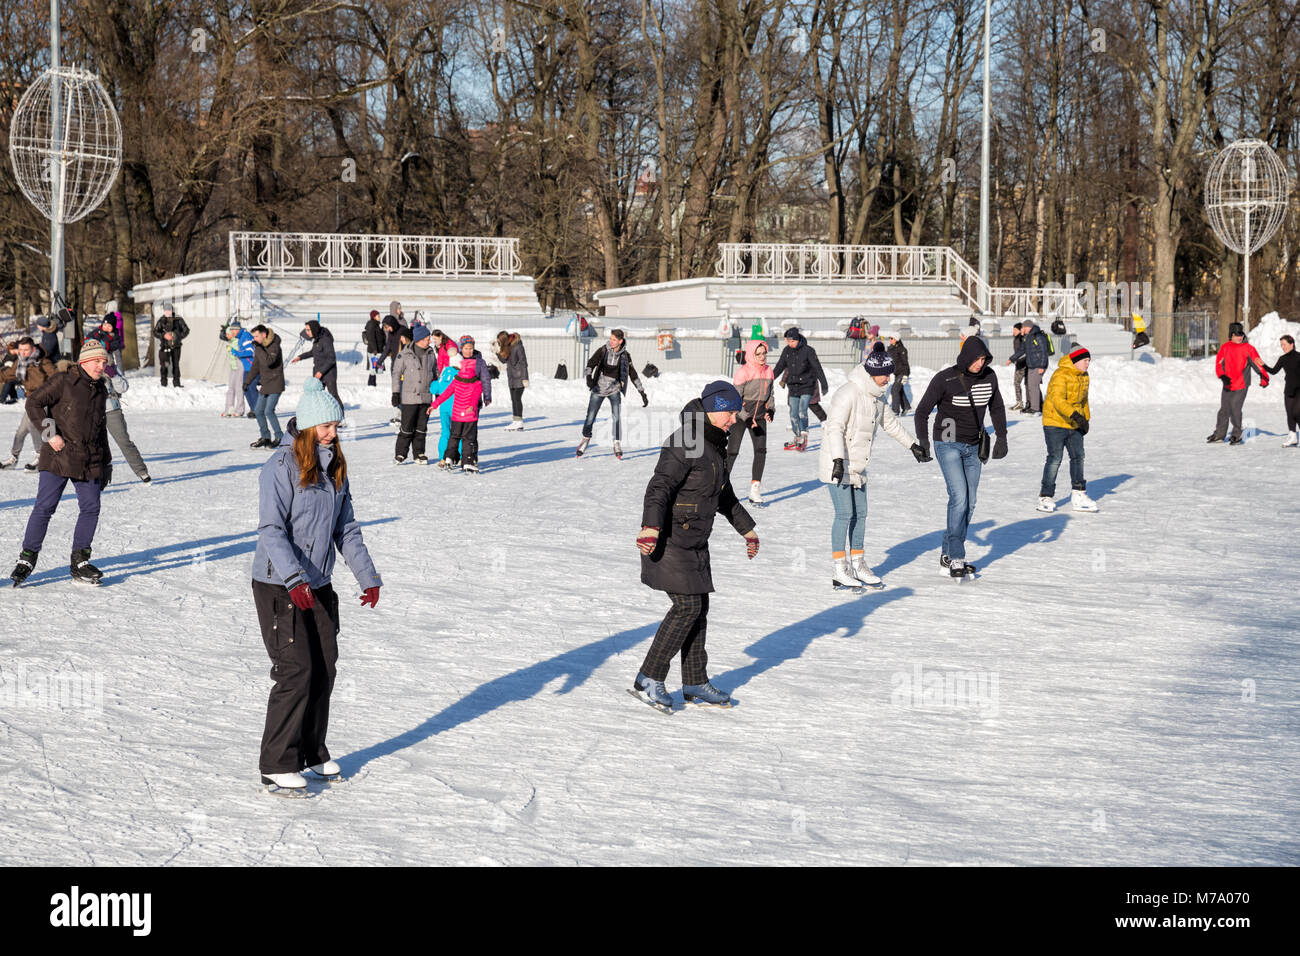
{"type": "Point", "coordinates": [879, 361]}
{"type": "Point", "coordinates": [720, 397]}
{"type": "Point", "coordinates": [419, 333]}
{"type": "Point", "coordinates": [317, 406]}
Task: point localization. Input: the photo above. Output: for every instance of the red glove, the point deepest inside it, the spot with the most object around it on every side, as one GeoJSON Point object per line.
{"type": "Point", "coordinates": [1263, 379]}
{"type": "Point", "coordinates": [751, 543]}
{"type": "Point", "coordinates": [302, 597]}
{"type": "Point", "coordinates": [371, 597]}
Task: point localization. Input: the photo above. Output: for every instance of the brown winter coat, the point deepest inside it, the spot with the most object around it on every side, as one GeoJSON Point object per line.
{"type": "Point", "coordinates": [37, 375]}
{"type": "Point", "coordinates": [76, 403]}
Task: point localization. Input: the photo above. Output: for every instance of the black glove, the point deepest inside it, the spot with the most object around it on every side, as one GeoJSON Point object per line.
{"type": "Point", "coordinates": [837, 471]}
{"type": "Point", "coordinates": [397, 399]}
{"type": "Point", "coordinates": [645, 400]}
{"type": "Point", "coordinates": [1080, 423]}
{"type": "Point", "coordinates": [1227, 382]}
{"type": "Point", "coordinates": [1000, 447]}
{"type": "Point", "coordinates": [921, 453]}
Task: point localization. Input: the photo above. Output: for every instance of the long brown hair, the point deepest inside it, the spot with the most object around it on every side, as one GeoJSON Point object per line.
{"type": "Point", "coordinates": [304, 449]}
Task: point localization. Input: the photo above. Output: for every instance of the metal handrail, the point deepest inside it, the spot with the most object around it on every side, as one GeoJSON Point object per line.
{"type": "Point", "coordinates": [342, 254]}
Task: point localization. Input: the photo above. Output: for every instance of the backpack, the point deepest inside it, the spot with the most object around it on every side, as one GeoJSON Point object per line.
{"type": "Point", "coordinates": [1058, 327]}
{"type": "Point", "coordinates": [650, 371]}
{"type": "Point", "coordinates": [494, 372]}
{"type": "Point", "coordinates": [562, 371]}
{"type": "Point", "coordinates": [857, 328]}
{"type": "Point", "coordinates": [740, 356]}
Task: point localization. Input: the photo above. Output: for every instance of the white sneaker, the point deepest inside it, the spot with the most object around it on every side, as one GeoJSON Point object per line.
{"type": "Point", "coordinates": [1289, 443]}
{"type": "Point", "coordinates": [327, 769]}
{"type": "Point", "coordinates": [860, 570]}
{"type": "Point", "coordinates": [1046, 504]}
{"type": "Point", "coordinates": [285, 781]}
{"type": "Point", "coordinates": [756, 492]}
{"type": "Point", "coordinates": [842, 576]}
{"type": "Point", "coordinates": [1081, 502]}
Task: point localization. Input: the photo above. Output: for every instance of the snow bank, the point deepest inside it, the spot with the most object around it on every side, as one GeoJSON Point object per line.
{"type": "Point", "coordinates": [1265, 336]}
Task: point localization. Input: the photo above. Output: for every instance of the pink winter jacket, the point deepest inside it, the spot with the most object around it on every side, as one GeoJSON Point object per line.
{"type": "Point", "coordinates": [467, 392]}
{"type": "Point", "coordinates": [754, 382]}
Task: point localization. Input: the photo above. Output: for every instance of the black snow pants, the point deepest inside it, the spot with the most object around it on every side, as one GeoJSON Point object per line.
{"type": "Point", "coordinates": [414, 429]}
{"type": "Point", "coordinates": [303, 647]}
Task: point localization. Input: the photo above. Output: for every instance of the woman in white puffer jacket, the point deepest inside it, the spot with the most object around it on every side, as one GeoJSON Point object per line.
{"type": "Point", "coordinates": [857, 409]}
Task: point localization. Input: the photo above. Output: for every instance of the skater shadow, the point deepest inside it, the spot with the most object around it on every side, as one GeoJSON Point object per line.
{"type": "Point", "coordinates": [544, 455]}
{"type": "Point", "coordinates": [789, 643]}
{"type": "Point", "coordinates": [1007, 539]}
{"type": "Point", "coordinates": [790, 491]}
{"type": "Point", "coordinates": [1103, 486]}
{"type": "Point", "coordinates": [905, 552]}
{"type": "Point", "coordinates": [574, 666]}
{"type": "Point", "coordinates": [229, 469]}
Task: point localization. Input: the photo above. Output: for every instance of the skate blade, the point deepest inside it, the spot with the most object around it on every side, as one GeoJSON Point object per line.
{"type": "Point", "coordinates": [856, 588]}
{"type": "Point", "coordinates": [89, 582]}
{"type": "Point", "coordinates": [289, 793]}
{"type": "Point", "coordinates": [696, 702]}
{"type": "Point", "coordinates": [645, 700]}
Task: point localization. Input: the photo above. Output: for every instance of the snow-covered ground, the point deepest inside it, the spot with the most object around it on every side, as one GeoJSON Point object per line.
{"type": "Point", "coordinates": [1119, 688]}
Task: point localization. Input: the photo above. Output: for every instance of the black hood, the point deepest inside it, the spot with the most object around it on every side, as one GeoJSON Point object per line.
{"type": "Point", "coordinates": [315, 329]}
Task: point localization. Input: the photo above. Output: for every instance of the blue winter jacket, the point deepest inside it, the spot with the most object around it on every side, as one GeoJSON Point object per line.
{"type": "Point", "coordinates": [243, 348]}
{"type": "Point", "coordinates": [299, 528]}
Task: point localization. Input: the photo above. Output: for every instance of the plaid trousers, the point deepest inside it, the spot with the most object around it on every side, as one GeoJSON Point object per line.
{"type": "Point", "coordinates": [682, 630]}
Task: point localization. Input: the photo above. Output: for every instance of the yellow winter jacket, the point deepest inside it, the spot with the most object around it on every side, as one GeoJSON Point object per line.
{"type": "Point", "coordinates": [1067, 392]}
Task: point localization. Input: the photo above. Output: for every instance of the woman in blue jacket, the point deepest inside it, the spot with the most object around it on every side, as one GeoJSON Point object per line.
{"type": "Point", "coordinates": [305, 506]}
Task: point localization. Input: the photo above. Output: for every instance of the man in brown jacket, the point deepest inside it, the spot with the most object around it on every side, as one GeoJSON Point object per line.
{"type": "Point", "coordinates": [68, 412]}
{"type": "Point", "coordinates": [31, 371]}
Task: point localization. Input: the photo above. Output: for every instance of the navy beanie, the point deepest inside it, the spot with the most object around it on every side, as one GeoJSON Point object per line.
{"type": "Point", "coordinates": [879, 361]}
{"type": "Point", "coordinates": [720, 397]}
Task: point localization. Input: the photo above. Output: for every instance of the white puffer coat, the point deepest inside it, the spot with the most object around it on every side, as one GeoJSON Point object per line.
{"type": "Point", "coordinates": [857, 408]}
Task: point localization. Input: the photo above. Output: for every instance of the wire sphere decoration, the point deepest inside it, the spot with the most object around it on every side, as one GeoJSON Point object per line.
{"type": "Point", "coordinates": [65, 164]}
{"type": "Point", "coordinates": [1246, 190]}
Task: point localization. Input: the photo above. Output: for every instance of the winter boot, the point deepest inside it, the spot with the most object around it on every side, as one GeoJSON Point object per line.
{"type": "Point", "coordinates": [842, 576]}
{"type": "Point", "coordinates": [705, 695]}
{"type": "Point", "coordinates": [1046, 504]}
{"type": "Point", "coordinates": [582, 446]}
{"type": "Point", "coordinates": [756, 492]}
{"type": "Point", "coordinates": [82, 570]}
{"type": "Point", "coordinates": [26, 561]}
{"type": "Point", "coordinates": [651, 692]}
{"type": "Point", "coordinates": [858, 567]}
{"type": "Point", "coordinates": [1080, 501]}
{"type": "Point", "coordinates": [283, 781]}
{"type": "Point", "coordinates": [618, 451]}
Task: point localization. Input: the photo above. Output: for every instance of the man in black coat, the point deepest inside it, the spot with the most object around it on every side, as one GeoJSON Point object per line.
{"type": "Point", "coordinates": [688, 489]}
{"type": "Point", "coordinates": [324, 366]}
{"type": "Point", "coordinates": [268, 372]}
{"type": "Point", "coordinates": [69, 413]}
{"type": "Point", "coordinates": [803, 374]}
{"type": "Point", "coordinates": [170, 331]}
{"type": "Point", "coordinates": [1018, 349]}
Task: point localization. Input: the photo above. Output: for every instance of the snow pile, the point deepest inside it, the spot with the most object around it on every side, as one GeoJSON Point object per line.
{"type": "Point", "coordinates": [1265, 336]}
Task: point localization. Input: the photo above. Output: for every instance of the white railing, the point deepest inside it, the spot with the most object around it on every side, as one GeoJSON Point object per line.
{"type": "Point", "coordinates": [338, 254]}
{"type": "Point", "coordinates": [823, 262]}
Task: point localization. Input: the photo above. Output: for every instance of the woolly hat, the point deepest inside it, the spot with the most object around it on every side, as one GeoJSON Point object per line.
{"type": "Point", "coordinates": [874, 330]}
{"type": "Point", "coordinates": [879, 361]}
{"type": "Point", "coordinates": [1079, 354]}
{"type": "Point", "coordinates": [317, 406]}
{"type": "Point", "coordinates": [234, 324]}
{"type": "Point", "coordinates": [792, 332]}
{"type": "Point", "coordinates": [419, 333]}
{"type": "Point", "coordinates": [93, 349]}
{"type": "Point", "coordinates": [110, 317]}
{"type": "Point", "coordinates": [464, 340]}
{"type": "Point", "coordinates": [720, 396]}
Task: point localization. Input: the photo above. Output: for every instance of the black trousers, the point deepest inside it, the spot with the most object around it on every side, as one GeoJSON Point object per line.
{"type": "Point", "coordinates": [303, 647]}
{"type": "Point", "coordinates": [898, 398]}
{"type": "Point", "coordinates": [372, 363]}
{"type": "Point", "coordinates": [682, 631]}
{"type": "Point", "coordinates": [463, 443]}
{"type": "Point", "coordinates": [816, 409]}
{"type": "Point", "coordinates": [759, 435]}
{"type": "Point", "coordinates": [174, 357]}
{"type": "Point", "coordinates": [414, 429]}
{"type": "Point", "coordinates": [517, 403]}
{"type": "Point", "coordinates": [1292, 403]}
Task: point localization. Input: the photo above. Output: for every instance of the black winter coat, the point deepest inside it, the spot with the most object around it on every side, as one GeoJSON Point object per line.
{"type": "Point", "coordinates": [898, 352]}
{"type": "Point", "coordinates": [268, 362]}
{"type": "Point", "coordinates": [322, 349]}
{"type": "Point", "coordinates": [951, 393]}
{"type": "Point", "coordinates": [374, 337]}
{"type": "Point", "coordinates": [175, 325]}
{"type": "Point", "coordinates": [77, 404]}
{"type": "Point", "coordinates": [804, 368]}
{"type": "Point", "coordinates": [393, 342]}
{"type": "Point", "coordinates": [689, 487]}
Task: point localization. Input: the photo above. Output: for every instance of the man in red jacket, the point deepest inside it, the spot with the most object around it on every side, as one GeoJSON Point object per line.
{"type": "Point", "coordinates": [1230, 365]}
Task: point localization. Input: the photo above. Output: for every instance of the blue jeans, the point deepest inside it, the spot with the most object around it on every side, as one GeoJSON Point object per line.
{"type": "Point", "coordinates": [267, 423]}
{"type": "Point", "coordinates": [615, 407]}
{"type": "Point", "coordinates": [799, 413]}
{"type": "Point", "coordinates": [250, 395]}
{"type": "Point", "coordinates": [1059, 439]}
{"type": "Point", "coordinates": [49, 489]}
{"type": "Point", "coordinates": [850, 522]}
{"type": "Point", "coordinates": [960, 464]}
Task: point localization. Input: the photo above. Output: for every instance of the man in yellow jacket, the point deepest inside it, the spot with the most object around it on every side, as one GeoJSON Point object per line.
{"type": "Point", "coordinates": [1065, 422]}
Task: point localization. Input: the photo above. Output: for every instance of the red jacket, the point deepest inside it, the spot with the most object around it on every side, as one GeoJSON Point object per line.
{"type": "Point", "coordinates": [1232, 360]}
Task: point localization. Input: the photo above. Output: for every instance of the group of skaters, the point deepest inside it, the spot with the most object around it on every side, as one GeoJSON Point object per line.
{"type": "Point", "coordinates": [1233, 364]}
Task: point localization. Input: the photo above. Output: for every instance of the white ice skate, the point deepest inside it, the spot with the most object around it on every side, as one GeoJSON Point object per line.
{"type": "Point", "coordinates": [843, 576]}
{"type": "Point", "coordinates": [1290, 442]}
{"type": "Point", "coordinates": [756, 492]}
{"type": "Point", "coordinates": [515, 426]}
{"type": "Point", "coordinates": [329, 770]}
{"type": "Point", "coordinates": [13, 460]}
{"type": "Point", "coordinates": [858, 567]}
{"type": "Point", "coordinates": [281, 782]}
{"type": "Point", "coordinates": [1080, 501]}
{"type": "Point", "coordinates": [1046, 504]}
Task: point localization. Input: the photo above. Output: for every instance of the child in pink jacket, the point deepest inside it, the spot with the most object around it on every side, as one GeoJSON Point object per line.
{"type": "Point", "coordinates": [467, 391]}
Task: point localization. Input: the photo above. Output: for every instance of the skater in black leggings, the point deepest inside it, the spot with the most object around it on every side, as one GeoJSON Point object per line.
{"type": "Point", "coordinates": [754, 381]}
{"type": "Point", "coordinates": [1289, 362]}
